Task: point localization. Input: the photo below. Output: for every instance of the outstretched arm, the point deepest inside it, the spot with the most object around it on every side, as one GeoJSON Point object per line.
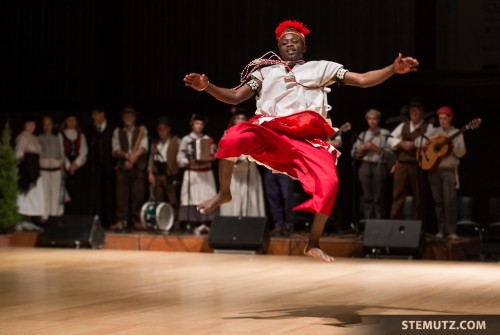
{"type": "Point", "coordinates": [401, 65]}
{"type": "Point", "coordinates": [229, 96]}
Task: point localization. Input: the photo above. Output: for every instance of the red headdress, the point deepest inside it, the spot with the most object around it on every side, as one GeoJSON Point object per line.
{"type": "Point", "coordinates": [445, 110]}
{"type": "Point", "coordinates": [292, 27]}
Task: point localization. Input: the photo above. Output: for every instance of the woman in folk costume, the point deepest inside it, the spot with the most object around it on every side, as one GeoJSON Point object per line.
{"type": "Point", "coordinates": [75, 151]}
{"type": "Point", "coordinates": [30, 200]}
{"type": "Point", "coordinates": [52, 167]}
{"type": "Point", "coordinates": [246, 185]}
{"type": "Point", "coordinates": [198, 182]}
{"type": "Point", "coordinates": [289, 129]}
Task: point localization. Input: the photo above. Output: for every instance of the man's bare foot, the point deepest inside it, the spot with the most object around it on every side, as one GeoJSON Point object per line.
{"type": "Point", "coordinates": [214, 202]}
{"type": "Point", "coordinates": [319, 254]}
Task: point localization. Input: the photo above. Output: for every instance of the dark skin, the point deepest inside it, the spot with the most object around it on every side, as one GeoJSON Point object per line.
{"type": "Point", "coordinates": [291, 47]}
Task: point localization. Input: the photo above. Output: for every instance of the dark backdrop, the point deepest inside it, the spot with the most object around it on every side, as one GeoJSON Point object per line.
{"type": "Point", "coordinates": [58, 56]}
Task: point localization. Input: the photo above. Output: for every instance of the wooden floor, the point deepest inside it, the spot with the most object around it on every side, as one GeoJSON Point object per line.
{"type": "Point", "coordinates": [68, 291]}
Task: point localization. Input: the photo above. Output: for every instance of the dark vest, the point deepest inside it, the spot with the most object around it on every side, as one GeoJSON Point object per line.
{"type": "Point", "coordinates": [171, 167]}
{"type": "Point", "coordinates": [406, 135]}
{"type": "Point", "coordinates": [142, 161]}
{"type": "Point", "coordinates": [71, 148]}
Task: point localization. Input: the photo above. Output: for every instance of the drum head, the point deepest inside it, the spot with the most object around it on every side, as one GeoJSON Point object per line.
{"type": "Point", "coordinates": [164, 216]}
{"type": "Point", "coordinates": [148, 214]}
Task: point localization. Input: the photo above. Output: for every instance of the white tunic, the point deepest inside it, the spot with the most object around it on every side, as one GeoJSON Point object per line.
{"type": "Point", "coordinates": [304, 88]}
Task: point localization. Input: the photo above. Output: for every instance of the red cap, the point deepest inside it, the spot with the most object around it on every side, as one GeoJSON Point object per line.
{"type": "Point", "coordinates": [292, 27]}
{"type": "Point", "coordinates": [445, 110]}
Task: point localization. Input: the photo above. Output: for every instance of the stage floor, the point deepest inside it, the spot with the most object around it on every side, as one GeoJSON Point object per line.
{"type": "Point", "coordinates": [69, 291]}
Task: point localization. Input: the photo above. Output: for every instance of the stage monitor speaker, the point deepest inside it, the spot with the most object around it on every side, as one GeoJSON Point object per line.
{"type": "Point", "coordinates": [393, 237]}
{"type": "Point", "coordinates": [239, 234]}
{"type": "Point", "coordinates": [73, 231]}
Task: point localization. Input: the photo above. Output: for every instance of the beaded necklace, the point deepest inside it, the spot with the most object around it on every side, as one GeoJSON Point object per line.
{"type": "Point", "coordinates": [269, 58]}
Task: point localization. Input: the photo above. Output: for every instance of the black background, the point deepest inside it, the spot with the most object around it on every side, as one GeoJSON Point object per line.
{"type": "Point", "coordinates": [68, 56]}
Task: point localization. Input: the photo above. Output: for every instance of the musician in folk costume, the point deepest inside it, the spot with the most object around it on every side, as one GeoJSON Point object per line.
{"type": "Point", "coordinates": [75, 151]}
{"type": "Point", "coordinates": [405, 139]}
{"type": "Point", "coordinates": [52, 169]}
{"type": "Point", "coordinates": [196, 154]}
{"type": "Point", "coordinates": [289, 130]}
{"type": "Point", "coordinates": [443, 179]}
{"type": "Point", "coordinates": [371, 149]}
{"type": "Point", "coordinates": [130, 146]}
{"type": "Point", "coordinates": [162, 167]}
{"type": "Point", "coordinates": [30, 200]}
{"type": "Point", "coordinates": [246, 185]}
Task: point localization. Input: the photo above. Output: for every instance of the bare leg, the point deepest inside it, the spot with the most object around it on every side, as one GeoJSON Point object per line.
{"type": "Point", "coordinates": [312, 248]}
{"type": "Point", "coordinates": [225, 174]}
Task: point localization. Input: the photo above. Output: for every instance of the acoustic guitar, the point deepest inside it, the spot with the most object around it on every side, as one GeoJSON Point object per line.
{"type": "Point", "coordinates": [430, 156]}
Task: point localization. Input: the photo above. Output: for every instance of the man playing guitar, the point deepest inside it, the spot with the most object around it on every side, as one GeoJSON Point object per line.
{"type": "Point", "coordinates": [443, 179]}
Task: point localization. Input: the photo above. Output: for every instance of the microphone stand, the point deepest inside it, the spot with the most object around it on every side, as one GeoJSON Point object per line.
{"type": "Point", "coordinates": [420, 174]}
{"type": "Point", "coordinates": [189, 154]}
{"type": "Point", "coordinates": [354, 198]}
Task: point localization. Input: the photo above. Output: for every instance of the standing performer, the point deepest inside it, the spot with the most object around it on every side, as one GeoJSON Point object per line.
{"type": "Point", "coordinates": [408, 178]}
{"type": "Point", "coordinates": [130, 147]}
{"type": "Point", "coordinates": [75, 151]}
{"type": "Point", "coordinates": [371, 149]}
{"type": "Point", "coordinates": [443, 179]}
{"type": "Point", "coordinates": [289, 130]}
{"type": "Point", "coordinates": [52, 169]}
{"type": "Point", "coordinates": [198, 182]}
{"type": "Point", "coordinates": [102, 168]}
{"type": "Point", "coordinates": [30, 200]}
{"type": "Point", "coordinates": [163, 169]}
{"type": "Point", "coordinates": [246, 186]}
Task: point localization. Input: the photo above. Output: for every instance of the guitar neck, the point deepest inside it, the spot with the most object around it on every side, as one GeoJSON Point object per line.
{"type": "Point", "coordinates": [449, 139]}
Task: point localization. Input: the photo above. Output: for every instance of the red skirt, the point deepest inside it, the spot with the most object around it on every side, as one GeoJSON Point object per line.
{"type": "Point", "coordinates": [293, 145]}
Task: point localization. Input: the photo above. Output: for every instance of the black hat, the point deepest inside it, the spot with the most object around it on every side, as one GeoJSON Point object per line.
{"type": "Point", "coordinates": [129, 110]}
{"type": "Point", "coordinates": [28, 118]}
{"type": "Point", "coordinates": [70, 114]}
{"type": "Point", "coordinates": [239, 111]}
{"type": "Point", "coordinates": [198, 117]}
{"type": "Point", "coordinates": [416, 102]}
{"type": "Point", "coordinates": [164, 120]}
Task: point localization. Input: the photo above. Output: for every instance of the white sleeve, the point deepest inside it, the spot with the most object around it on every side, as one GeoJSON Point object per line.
{"type": "Point", "coordinates": [459, 146]}
{"type": "Point", "coordinates": [144, 140]}
{"type": "Point", "coordinates": [84, 150]}
{"type": "Point", "coordinates": [115, 141]}
{"type": "Point", "coordinates": [395, 138]}
{"type": "Point", "coordinates": [182, 159]}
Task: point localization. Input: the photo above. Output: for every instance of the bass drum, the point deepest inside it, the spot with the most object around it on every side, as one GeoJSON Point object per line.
{"type": "Point", "coordinates": [157, 215]}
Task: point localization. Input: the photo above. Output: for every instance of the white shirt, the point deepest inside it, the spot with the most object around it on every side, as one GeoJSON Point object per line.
{"type": "Point", "coordinates": [160, 155]}
{"type": "Point", "coordinates": [279, 97]}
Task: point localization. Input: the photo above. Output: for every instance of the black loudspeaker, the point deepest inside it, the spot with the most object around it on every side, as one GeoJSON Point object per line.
{"type": "Point", "coordinates": [393, 237]}
{"type": "Point", "coordinates": [239, 234]}
{"type": "Point", "coordinates": [73, 231]}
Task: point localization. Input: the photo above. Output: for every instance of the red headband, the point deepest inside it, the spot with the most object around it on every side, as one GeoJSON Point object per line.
{"type": "Point", "coordinates": [445, 110]}
{"type": "Point", "coordinates": [292, 27]}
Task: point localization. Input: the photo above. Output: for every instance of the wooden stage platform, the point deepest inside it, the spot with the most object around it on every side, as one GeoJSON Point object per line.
{"type": "Point", "coordinates": [338, 246]}
{"type": "Point", "coordinates": [91, 292]}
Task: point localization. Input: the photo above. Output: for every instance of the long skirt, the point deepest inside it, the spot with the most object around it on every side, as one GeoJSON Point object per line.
{"type": "Point", "coordinates": [293, 145]}
{"type": "Point", "coordinates": [32, 203]}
